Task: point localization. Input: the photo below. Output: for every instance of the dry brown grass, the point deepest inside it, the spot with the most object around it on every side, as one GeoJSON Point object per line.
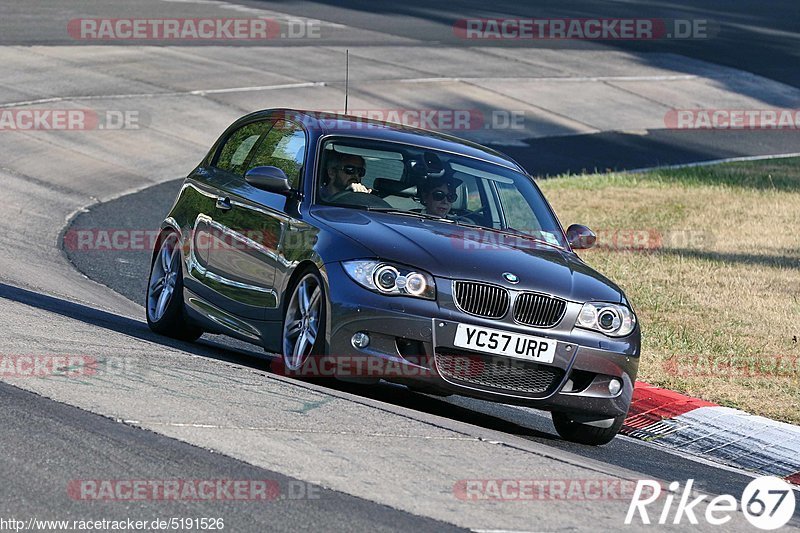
{"type": "Point", "coordinates": [719, 300]}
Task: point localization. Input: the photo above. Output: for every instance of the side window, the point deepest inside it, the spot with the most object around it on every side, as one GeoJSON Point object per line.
{"type": "Point", "coordinates": [474, 201]}
{"type": "Point", "coordinates": [239, 145]}
{"type": "Point", "coordinates": [283, 147]}
{"type": "Point", "coordinates": [489, 196]}
{"type": "Point", "coordinates": [468, 196]}
{"type": "Point", "coordinates": [519, 213]}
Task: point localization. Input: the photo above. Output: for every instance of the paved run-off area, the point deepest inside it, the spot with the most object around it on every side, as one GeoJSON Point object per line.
{"type": "Point", "coordinates": [407, 459]}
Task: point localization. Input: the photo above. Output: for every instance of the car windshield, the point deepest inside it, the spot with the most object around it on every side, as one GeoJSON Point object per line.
{"type": "Point", "coordinates": [407, 180]}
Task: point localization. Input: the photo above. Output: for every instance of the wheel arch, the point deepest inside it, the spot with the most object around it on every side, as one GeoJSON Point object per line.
{"type": "Point", "coordinates": [173, 322]}
{"type": "Point", "coordinates": [170, 225]}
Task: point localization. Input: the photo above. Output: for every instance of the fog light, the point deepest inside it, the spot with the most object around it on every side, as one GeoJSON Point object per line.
{"type": "Point", "coordinates": [360, 340]}
{"type": "Point", "coordinates": [614, 386]}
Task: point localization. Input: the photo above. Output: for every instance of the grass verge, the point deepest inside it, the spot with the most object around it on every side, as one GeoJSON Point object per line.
{"type": "Point", "coordinates": [710, 259]}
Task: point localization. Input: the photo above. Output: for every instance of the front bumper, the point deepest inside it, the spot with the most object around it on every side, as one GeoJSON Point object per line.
{"type": "Point", "coordinates": [412, 342]}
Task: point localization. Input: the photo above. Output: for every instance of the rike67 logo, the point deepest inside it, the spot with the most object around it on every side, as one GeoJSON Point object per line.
{"type": "Point", "coordinates": [767, 503]}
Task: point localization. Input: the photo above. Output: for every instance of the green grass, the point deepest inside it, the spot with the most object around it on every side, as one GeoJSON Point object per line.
{"type": "Point", "coordinates": [722, 282]}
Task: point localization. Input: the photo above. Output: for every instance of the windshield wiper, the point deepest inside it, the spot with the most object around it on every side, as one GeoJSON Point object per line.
{"type": "Point", "coordinates": [395, 211]}
{"type": "Point", "coordinates": [531, 237]}
{"type": "Point", "coordinates": [415, 214]}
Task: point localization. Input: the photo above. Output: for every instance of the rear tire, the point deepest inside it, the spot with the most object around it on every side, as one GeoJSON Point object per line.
{"type": "Point", "coordinates": [164, 304]}
{"type": "Point", "coordinates": [583, 433]}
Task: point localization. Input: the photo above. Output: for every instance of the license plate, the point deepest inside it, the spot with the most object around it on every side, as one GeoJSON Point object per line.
{"type": "Point", "coordinates": [498, 342]}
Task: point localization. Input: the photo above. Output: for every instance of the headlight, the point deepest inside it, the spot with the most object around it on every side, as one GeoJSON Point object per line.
{"type": "Point", "coordinates": [611, 319]}
{"type": "Point", "coordinates": [393, 279]}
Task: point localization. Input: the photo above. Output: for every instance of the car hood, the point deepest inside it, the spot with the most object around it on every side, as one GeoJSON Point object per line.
{"type": "Point", "coordinates": [460, 252]}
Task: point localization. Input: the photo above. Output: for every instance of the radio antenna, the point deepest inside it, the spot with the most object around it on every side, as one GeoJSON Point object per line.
{"type": "Point", "coordinates": [346, 78]}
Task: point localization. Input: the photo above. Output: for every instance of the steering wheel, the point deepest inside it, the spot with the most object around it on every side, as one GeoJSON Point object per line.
{"type": "Point", "coordinates": [472, 217]}
{"type": "Point", "coordinates": [481, 211]}
{"type": "Point", "coordinates": [358, 198]}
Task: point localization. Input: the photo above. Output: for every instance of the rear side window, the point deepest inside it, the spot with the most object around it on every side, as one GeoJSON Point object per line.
{"type": "Point", "coordinates": [283, 147]}
{"type": "Point", "coordinates": [239, 146]}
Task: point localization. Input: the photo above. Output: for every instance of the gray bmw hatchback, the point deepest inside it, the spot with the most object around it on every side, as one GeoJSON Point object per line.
{"type": "Point", "coordinates": [368, 251]}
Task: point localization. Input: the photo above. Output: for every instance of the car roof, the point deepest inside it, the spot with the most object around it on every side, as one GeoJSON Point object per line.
{"type": "Point", "coordinates": [326, 123]}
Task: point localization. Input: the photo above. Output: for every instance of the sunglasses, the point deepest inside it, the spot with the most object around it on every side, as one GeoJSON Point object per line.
{"type": "Point", "coordinates": [438, 196]}
{"type": "Point", "coordinates": [352, 169]}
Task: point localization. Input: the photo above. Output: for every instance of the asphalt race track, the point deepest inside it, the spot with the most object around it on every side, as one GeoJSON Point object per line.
{"type": "Point", "coordinates": [334, 456]}
{"type": "Point", "coordinates": [98, 448]}
{"type": "Point", "coordinates": [525, 423]}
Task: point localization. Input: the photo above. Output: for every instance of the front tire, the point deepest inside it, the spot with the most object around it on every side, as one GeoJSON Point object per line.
{"type": "Point", "coordinates": [304, 322]}
{"type": "Point", "coordinates": [165, 310]}
{"type": "Point", "coordinates": [583, 433]}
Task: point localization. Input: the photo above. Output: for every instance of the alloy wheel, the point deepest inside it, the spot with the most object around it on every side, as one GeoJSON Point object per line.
{"type": "Point", "coordinates": [302, 322]}
{"type": "Point", "coordinates": [163, 278]}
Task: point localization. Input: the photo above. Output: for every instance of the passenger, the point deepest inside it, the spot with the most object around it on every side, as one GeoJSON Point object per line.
{"type": "Point", "coordinates": [438, 194]}
{"type": "Point", "coordinates": [343, 173]}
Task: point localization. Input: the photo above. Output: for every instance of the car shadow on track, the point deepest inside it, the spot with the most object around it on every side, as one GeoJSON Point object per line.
{"type": "Point", "coordinates": [524, 423]}
{"type": "Point", "coordinates": [396, 395]}
{"type": "Point", "coordinates": [431, 404]}
{"type": "Point", "coordinates": [128, 326]}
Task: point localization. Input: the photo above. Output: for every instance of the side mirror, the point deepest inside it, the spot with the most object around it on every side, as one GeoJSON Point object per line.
{"type": "Point", "coordinates": [271, 179]}
{"type": "Point", "coordinates": [580, 237]}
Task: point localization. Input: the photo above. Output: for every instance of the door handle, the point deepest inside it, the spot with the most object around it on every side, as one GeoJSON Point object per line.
{"type": "Point", "coordinates": [223, 203]}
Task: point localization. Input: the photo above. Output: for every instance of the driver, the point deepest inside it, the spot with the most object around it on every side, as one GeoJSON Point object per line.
{"type": "Point", "coordinates": [343, 173]}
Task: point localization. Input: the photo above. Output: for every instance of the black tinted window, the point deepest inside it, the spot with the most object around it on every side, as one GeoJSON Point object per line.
{"type": "Point", "coordinates": [239, 146]}
{"type": "Point", "coordinates": [283, 147]}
